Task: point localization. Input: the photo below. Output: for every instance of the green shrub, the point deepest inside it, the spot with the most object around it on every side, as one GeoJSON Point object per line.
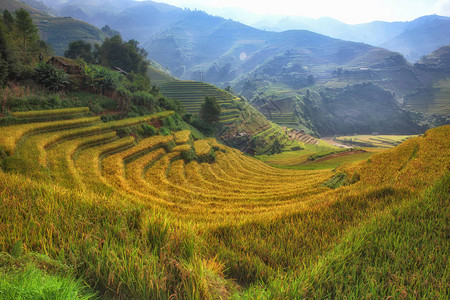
{"type": "Point", "coordinates": [36, 102]}
{"type": "Point", "coordinates": [51, 77]}
{"type": "Point", "coordinates": [123, 132]}
{"type": "Point", "coordinates": [101, 79]}
{"type": "Point", "coordinates": [163, 131]}
{"type": "Point", "coordinates": [203, 126]}
{"type": "Point", "coordinates": [96, 108]}
{"type": "Point", "coordinates": [4, 71]}
{"type": "Point", "coordinates": [148, 130]}
{"type": "Point", "coordinates": [189, 155]}
{"type": "Point", "coordinates": [170, 104]}
{"type": "Point", "coordinates": [137, 82]}
{"type": "Point", "coordinates": [3, 153]}
{"type": "Point", "coordinates": [75, 83]}
{"type": "Point", "coordinates": [143, 99]}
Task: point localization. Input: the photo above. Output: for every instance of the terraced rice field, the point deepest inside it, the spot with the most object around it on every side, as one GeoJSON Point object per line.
{"type": "Point", "coordinates": [158, 77]}
{"type": "Point", "coordinates": [201, 180]}
{"type": "Point", "coordinates": [384, 141]}
{"type": "Point", "coordinates": [283, 118]}
{"type": "Point", "coordinates": [192, 95]}
{"type": "Point", "coordinates": [302, 137]}
{"type": "Point", "coordinates": [169, 215]}
{"type": "Point", "coordinates": [435, 100]}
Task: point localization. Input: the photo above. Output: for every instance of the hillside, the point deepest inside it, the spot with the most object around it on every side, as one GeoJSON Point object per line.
{"type": "Point", "coordinates": [58, 31]}
{"type": "Point", "coordinates": [412, 39]}
{"type": "Point", "coordinates": [280, 67]}
{"type": "Point", "coordinates": [404, 37]}
{"type": "Point", "coordinates": [375, 92]}
{"type": "Point", "coordinates": [221, 48]}
{"type": "Point", "coordinates": [241, 125]}
{"type": "Point", "coordinates": [417, 41]}
{"type": "Point", "coordinates": [158, 77]}
{"type": "Point", "coordinates": [433, 71]}
{"type": "Point", "coordinates": [192, 215]}
{"type": "Point", "coordinates": [98, 13]}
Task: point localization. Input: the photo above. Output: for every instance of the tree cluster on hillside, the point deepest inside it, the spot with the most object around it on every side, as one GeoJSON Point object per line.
{"type": "Point", "coordinates": [113, 53]}
{"type": "Point", "coordinates": [23, 56]}
{"type": "Point", "coordinates": [20, 46]}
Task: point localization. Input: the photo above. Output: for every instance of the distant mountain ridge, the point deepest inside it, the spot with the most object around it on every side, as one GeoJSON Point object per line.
{"type": "Point", "coordinates": [413, 39]}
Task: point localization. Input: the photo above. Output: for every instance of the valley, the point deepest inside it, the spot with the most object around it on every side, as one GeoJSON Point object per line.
{"type": "Point", "coordinates": [173, 154]}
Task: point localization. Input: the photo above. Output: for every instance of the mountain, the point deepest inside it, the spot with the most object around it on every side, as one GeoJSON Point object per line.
{"type": "Point", "coordinates": [433, 96]}
{"type": "Point", "coordinates": [413, 39]}
{"type": "Point", "coordinates": [97, 13]}
{"type": "Point", "coordinates": [223, 50]}
{"type": "Point", "coordinates": [420, 40]}
{"type": "Point", "coordinates": [39, 5]}
{"type": "Point", "coordinates": [58, 31]}
{"type": "Point", "coordinates": [353, 87]}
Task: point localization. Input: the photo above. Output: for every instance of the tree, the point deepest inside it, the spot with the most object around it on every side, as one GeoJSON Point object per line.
{"type": "Point", "coordinates": [4, 56]}
{"type": "Point", "coordinates": [276, 147]}
{"type": "Point", "coordinates": [111, 32]}
{"type": "Point", "coordinates": [80, 49]}
{"type": "Point", "coordinates": [26, 28]}
{"type": "Point", "coordinates": [125, 55]}
{"type": "Point", "coordinates": [210, 110]}
{"type": "Point", "coordinates": [8, 19]}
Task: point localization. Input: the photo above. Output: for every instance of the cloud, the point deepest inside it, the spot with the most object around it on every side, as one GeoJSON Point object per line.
{"type": "Point", "coordinates": [443, 7]}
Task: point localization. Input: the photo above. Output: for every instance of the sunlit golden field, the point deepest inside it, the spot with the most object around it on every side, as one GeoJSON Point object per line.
{"type": "Point", "coordinates": [170, 217]}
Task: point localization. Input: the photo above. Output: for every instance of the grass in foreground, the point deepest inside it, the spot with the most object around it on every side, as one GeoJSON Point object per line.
{"type": "Point", "coordinates": [402, 252]}
{"type": "Point", "coordinates": [30, 277]}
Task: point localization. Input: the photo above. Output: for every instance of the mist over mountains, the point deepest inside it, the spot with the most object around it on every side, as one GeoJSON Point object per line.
{"type": "Point", "coordinates": [327, 78]}
{"type": "Point", "coordinates": [413, 39]}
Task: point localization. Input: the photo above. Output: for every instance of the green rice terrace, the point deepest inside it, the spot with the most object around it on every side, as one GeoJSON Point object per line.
{"type": "Point", "coordinates": [384, 141]}
{"type": "Point", "coordinates": [192, 94]}
{"type": "Point", "coordinates": [158, 77]}
{"type": "Point", "coordinates": [432, 100]}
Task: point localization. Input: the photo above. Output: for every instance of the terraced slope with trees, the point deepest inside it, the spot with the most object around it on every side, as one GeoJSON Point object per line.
{"type": "Point", "coordinates": [241, 126]}
{"type": "Point", "coordinates": [170, 216]}
{"type": "Point", "coordinates": [192, 94]}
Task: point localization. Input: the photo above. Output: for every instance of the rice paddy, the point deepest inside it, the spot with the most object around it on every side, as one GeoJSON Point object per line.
{"type": "Point", "coordinates": [173, 217]}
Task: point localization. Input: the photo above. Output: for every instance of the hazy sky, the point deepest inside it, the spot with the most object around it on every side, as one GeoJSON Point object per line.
{"type": "Point", "coordinates": [348, 11]}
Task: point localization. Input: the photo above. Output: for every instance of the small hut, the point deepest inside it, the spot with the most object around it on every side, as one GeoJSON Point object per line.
{"type": "Point", "coordinates": [68, 65]}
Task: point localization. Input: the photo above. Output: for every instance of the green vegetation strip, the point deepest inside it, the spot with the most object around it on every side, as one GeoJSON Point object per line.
{"type": "Point", "coordinates": [51, 113]}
